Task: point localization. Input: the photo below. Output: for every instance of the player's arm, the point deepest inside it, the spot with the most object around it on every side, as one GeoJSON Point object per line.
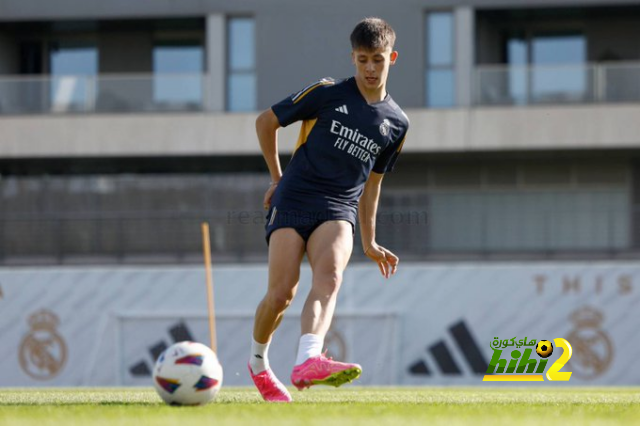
{"type": "Point", "coordinates": [267, 130]}
{"type": "Point", "coordinates": [367, 211]}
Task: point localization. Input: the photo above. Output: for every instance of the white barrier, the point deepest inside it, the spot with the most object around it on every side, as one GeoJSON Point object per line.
{"type": "Point", "coordinates": [429, 324]}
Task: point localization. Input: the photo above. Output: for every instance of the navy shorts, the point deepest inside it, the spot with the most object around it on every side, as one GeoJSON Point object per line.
{"type": "Point", "coordinates": [304, 222]}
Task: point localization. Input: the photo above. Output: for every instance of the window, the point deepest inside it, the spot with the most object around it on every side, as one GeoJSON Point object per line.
{"type": "Point", "coordinates": [73, 66]}
{"type": "Point", "coordinates": [517, 53]}
{"type": "Point", "coordinates": [557, 68]}
{"type": "Point", "coordinates": [178, 70]}
{"type": "Point", "coordinates": [73, 59]}
{"type": "Point", "coordinates": [440, 76]}
{"type": "Point", "coordinates": [241, 72]}
{"type": "Point", "coordinates": [561, 71]}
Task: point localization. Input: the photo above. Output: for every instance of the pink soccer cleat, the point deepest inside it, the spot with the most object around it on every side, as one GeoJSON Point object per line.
{"type": "Point", "coordinates": [271, 389]}
{"type": "Point", "coordinates": [320, 370]}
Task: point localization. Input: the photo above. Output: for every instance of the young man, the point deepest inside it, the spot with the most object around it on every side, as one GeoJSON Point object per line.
{"type": "Point", "coordinates": [352, 132]}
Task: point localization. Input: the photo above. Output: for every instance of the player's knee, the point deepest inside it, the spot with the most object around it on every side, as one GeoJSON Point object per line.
{"type": "Point", "coordinates": [329, 282]}
{"type": "Point", "coordinates": [279, 300]}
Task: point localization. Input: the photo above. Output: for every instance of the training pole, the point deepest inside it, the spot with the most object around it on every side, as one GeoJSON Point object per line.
{"type": "Point", "coordinates": [206, 247]}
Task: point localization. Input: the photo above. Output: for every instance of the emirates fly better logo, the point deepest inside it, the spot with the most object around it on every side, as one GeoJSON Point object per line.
{"type": "Point", "coordinates": [523, 362]}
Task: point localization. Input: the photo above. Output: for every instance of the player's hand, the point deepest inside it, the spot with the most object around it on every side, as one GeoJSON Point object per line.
{"type": "Point", "coordinates": [267, 195]}
{"type": "Point", "coordinates": [387, 261]}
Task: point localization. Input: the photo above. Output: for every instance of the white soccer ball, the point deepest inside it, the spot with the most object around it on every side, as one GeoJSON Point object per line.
{"type": "Point", "coordinates": [187, 373]}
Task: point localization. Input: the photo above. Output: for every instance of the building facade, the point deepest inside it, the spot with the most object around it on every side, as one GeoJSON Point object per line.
{"type": "Point", "coordinates": [122, 126]}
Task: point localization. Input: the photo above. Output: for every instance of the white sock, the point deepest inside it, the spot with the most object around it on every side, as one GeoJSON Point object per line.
{"type": "Point", "coordinates": [259, 361]}
{"type": "Point", "coordinates": [310, 345]}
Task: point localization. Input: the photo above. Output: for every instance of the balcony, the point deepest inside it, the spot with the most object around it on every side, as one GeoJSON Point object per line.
{"type": "Point", "coordinates": [494, 85]}
{"type": "Point", "coordinates": [118, 115]}
{"type": "Point", "coordinates": [557, 84]}
{"type": "Point", "coordinates": [110, 93]}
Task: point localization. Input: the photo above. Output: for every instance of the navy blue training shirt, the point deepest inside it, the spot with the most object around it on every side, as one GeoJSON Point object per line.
{"type": "Point", "coordinates": [341, 140]}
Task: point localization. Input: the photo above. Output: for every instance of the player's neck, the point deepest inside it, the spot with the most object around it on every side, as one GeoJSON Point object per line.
{"type": "Point", "coordinates": [372, 95]}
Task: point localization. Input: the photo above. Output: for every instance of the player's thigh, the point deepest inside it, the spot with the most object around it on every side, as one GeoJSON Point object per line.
{"type": "Point", "coordinates": [286, 250]}
{"type": "Point", "coordinates": [329, 249]}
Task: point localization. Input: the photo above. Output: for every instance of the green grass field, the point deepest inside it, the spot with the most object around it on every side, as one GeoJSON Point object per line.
{"type": "Point", "coordinates": [328, 407]}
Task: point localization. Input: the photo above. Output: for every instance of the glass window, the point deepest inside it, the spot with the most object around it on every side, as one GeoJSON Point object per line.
{"type": "Point", "coordinates": [440, 88]}
{"type": "Point", "coordinates": [440, 72]}
{"type": "Point", "coordinates": [242, 89]}
{"type": "Point", "coordinates": [73, 66]}
{"type": "Point", "coordinates": [517, 57]}
{"type": "Point", "coordinates": [560, 72]}
{"type": "Point", "coordinates": [241, 75]}
{"type": "Point", "coordinates": [241, 44]}
{"type": "Point", "coordinates": [569, 49]}
{"type": "Point", "coordinates": [178, 73]}
{"type": "Point", "coordinates": [440, 38]}
{"type": "Point", "coordinates": [73, 59]}
{"type": "Point", "coordinates": [548, 68]}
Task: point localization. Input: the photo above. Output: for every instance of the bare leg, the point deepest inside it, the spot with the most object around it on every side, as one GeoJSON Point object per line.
{"type": "Point", "coordinates": [329, 249]}
{"type": "Point", "coordinates": [286, 250]}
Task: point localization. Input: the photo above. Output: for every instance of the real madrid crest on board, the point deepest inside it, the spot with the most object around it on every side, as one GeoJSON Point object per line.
{"type": "Point", "coordinates": [43, 352]}
{"type": "Point", "coordinates": [336, 344]}
{"type": "Point", "coordinates": [385, 126]}
{"type": "Point", "coordinates": [592, 346]}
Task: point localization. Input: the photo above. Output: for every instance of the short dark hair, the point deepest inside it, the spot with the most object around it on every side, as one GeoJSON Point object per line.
{"type": "Point", "coordinates": [371, 34]}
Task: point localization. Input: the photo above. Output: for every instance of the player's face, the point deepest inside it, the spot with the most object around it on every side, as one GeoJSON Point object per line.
{"type": "Point", "coordinates": [372, 67]}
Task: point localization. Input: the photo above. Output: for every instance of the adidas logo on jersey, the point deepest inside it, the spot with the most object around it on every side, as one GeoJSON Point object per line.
{"type": "Point", "coordinates": [343, 109]}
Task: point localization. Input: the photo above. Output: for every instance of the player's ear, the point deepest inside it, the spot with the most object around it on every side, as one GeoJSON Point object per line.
{"type": "Point", "coordinates": [353, 57]}
{"type": "Point", "coordinates": [394, 57]}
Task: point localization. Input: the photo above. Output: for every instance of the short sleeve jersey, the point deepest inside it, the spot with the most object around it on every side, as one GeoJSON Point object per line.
{"type": "Point", "coordinates": [342, 139]}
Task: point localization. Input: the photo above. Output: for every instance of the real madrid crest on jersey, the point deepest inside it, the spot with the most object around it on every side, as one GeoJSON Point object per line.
{"type": "Point", "coordinates": [385, 126]}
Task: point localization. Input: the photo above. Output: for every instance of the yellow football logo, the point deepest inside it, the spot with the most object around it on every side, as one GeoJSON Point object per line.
{"type": "Point", "coordinates": [544, 348]}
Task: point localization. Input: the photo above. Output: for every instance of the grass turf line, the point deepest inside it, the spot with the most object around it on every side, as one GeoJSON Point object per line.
{"type": "Point", "coordinates": [354, 405]}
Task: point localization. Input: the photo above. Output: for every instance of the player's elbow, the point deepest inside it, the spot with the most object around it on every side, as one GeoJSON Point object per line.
{"type": "Point", "coordinates": [375, 179]}
{"type": "Point", "coordinates": [267, 121]}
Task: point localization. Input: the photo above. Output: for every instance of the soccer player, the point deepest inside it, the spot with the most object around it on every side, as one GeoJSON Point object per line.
{"type": "Point", "coordinates": [352, 133]}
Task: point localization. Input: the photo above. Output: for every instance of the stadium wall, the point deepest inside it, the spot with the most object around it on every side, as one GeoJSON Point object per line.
{"type": "Point", "coordinates": [428, 325]}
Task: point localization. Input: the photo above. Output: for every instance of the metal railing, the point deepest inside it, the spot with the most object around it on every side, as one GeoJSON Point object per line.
{"type": "Point", "coordinates": [238, 236]}
{"type": "Point", "coordinates": [103, 93]}
{"type": "Point", "coordinates": [497, 85]}
{"type": "Point", "coordinates": [494, 85]}
{"type": "Point", "coordinates": [152, 237]}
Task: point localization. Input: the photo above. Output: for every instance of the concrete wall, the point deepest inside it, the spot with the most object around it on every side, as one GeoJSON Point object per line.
{"type": "Point", "coordinates": [464, 130]}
